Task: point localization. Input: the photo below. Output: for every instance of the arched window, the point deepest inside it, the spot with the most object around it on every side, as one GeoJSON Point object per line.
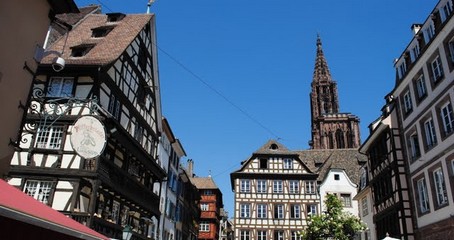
{"type": "Point", "coordinates": [340, 141]}
{"type": "Point", "coordinates": [330, 140]}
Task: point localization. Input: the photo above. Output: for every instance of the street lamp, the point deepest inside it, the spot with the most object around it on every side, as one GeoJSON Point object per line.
{"type": "Point", "coordinates": [127, 233]}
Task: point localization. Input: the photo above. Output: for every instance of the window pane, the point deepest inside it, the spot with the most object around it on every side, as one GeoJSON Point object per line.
{"type": "Point", "coordinates": [447, 118]}
{"type": "Point", "coordinates": [261, 186]}
{"type": "Point", "coordinates": [440, 187]}
{"type": "Point", "coordinates": [60, 87]}
{"type": "Point", "coordinates": [39, 190]}
{"type": "Point", "coordinates": [49, 137]}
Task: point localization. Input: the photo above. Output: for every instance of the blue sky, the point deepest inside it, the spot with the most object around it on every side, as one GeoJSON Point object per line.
{"type": "Point", "coordinates": [236, 74]}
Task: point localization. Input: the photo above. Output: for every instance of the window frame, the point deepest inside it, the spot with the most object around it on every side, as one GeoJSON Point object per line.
{"type": "Point", "coordinates": [446, 11]}
{"type": "Point", "coordinates": [50, 137]}
{"type": "Point", "coordinates": [364, 206]}
{"type": "Point", "coordinates": [430, 135]}
{"type": "Point", "coordinates": [204, 207]}
{"type": "Point", "coordinates": [295, 211]}
{"type": "Point", "coordinates": [261, 234]}
{"type": "Point", "coordinates": [436, 68]}
{"type": "Point", "coordinates": [311, 209]}
{"type": "Point", "coordinates": [402, 69]}
{"type": "Point", "coordinates": [414, 146]}
{"type": "Point", "coordinates": [447, 118]}
{"type": "Point", "coordinates": [288, 163]}
{"type": "Point", "coordinates": [278, 235]}
{"type": "Point", "coordinates": [40, 190]}
{"type": "Point", "coordinates": [245, 210]}
{"type": "Point", "coordinates": [262, 210]}
{"type": "Point", "coordinates": [278, 186]}
{"type": "Point", "coordinates": [451, 50]}
{"type": "Point", "coordinates": [295, 235]}
{"type": "Point", "coordinates": [245, 186]}
{"type": "Point", "coordinates": [441, 198]}
{"type": "Point", "coordinates": [114, 107]}
{"type": "Point", "coordinates": [64, 89]}
{"type": "Point", "coordinates": [245, 234]}
{"type": "Point", "coordinates": [204, 226]}
{"type": "Point", "coordinates": [420, 88]}
{"type": "Point", "coordinates": [429, 33]}
{"type": "Point", "coordinates": [422, 195]}
{"type": "Point", "coordinates": [407, 102]}
{"type": "Point", "coordinates": [262, 186]}
{"type": "Point", "coordinates": [310, 187]}
{"type": "Point", "coordinates": [346, 199]}
{"type": "Point", "coordinates": [279, 211]}
{"type": "Point", "coordinates": [294, 187]}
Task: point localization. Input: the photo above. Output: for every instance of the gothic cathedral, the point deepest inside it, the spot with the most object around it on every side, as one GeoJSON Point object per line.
{"type": "Point", "coordinates": [330, 128]}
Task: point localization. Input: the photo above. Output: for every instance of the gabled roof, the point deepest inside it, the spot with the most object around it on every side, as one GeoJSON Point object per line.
{"type": "Point", "coordinates": [316, 161]}
{"type": "Point", "coordinates": [272, 147]}
{"type": "Point", "coordinates": [106, 49]}
{"type": "Point", "coordinates": [204, 183]}
{"type": "Point", "coordinates": [19, 206]}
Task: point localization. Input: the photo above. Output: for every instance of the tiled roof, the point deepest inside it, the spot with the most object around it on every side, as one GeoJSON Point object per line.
{"type": "Point", "coordinates": [74, 18]}
{"type": "Point", "coordinates": [320, 161]}
{"type": "Point", "coordinates": [273, 147]}
{"type": "Point", "coordinates": [107, 49]}
{"type": "Point", "coordinates": [204, 183]}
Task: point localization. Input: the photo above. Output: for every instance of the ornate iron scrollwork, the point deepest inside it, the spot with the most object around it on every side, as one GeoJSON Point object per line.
{"type": "Point", "coordinates": [44, 112]}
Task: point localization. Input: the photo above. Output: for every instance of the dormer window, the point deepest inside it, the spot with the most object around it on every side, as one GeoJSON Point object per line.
{"type": "Point", "coordinates": [415, 52]}
{"type": "Point", "coordinates": [401, 70]}
{"type": "Point", "coordinates": [446, 11]}
{"type": "Point", "coordinates": [115, 17]}
{"type": "Point", "coordinates": [429, 33]}
{"type": "Point", "coordinates": [81, 50]}
{"type": "Point", "coordinates": [101, 31]}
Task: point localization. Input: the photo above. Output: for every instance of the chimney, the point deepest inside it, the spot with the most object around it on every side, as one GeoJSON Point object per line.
{"type": "Point", "coordinates": [415, 28]}
{"type": "Point", "coordinates": [190, 168]}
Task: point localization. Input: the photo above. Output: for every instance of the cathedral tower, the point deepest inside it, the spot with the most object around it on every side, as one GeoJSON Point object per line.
{"type": "Point", "coordinates": [330, 128]}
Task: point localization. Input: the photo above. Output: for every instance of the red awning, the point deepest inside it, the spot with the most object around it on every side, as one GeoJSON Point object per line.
{"type": "Point", "coordinates": [17, 205]}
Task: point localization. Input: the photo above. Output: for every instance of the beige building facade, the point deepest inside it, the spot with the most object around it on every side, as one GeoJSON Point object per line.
{"type": "Point", "coordinates": [24, 27]}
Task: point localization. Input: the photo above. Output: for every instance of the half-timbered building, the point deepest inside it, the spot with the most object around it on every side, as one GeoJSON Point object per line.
{"type": "Point", "coordinates": [210, 205]}
{"type": "Point", "coordinates": [277, 189]}
{"type": "Point", "coordinates": [104, 173]}
{"type": "Point", "coordinates": [275, 193]}
{"type": "Point", "coordinates": [385, 174]}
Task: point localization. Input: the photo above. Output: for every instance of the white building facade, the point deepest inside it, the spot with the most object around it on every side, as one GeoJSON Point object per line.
{"type": "Point", "coordinates": [338, 183]}
{"type": "Point", "coordinates": [425, 95]}
{"type": "Point", "coordinates": [170, 151]}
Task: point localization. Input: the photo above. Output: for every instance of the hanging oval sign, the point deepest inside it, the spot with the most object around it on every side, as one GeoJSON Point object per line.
{"type": "Point", "coordinates": [88, 137]}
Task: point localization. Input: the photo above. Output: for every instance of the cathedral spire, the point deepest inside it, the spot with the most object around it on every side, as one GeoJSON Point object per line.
{"type": "Point", "coordinates": [321, 70]}
{"type": "Point", "coordinates": [330, 128]}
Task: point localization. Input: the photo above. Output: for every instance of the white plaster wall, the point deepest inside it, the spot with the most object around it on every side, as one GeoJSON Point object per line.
{"type": "Point", "coordinates": [343, 185]}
